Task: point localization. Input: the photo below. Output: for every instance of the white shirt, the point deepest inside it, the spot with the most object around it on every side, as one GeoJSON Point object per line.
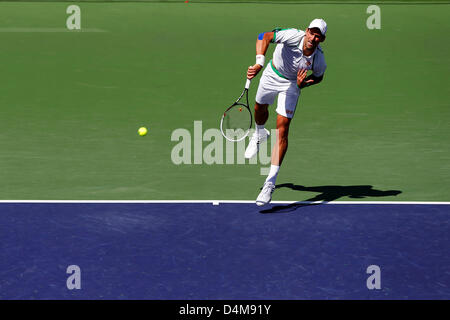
{"type": "Point", "coordinates": [288, 56]}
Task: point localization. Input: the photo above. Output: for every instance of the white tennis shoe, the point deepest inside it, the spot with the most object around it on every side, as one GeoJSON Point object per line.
{"type": "Point", "coordinates": [265, 196]}
{"type": "Point", "coordinates": [257, 138]}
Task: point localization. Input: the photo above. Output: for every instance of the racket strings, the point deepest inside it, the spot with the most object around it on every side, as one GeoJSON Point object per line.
{"type": "Point", "coordinates": [236, 122]}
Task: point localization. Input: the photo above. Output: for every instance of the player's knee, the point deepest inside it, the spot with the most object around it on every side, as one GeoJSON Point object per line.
{"type": "Point", "coordinates": [283, 127]}
{"type": "Point", "coordinates": [283, 132]}
{"type": "Point", "coordinates": [261, 107]}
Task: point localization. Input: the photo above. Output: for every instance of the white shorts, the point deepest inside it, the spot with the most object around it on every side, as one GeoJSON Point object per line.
{"type": "Point", "coordinates": [271, 85]}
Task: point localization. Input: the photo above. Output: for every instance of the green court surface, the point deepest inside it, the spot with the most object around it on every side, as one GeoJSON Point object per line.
{"type": "Point", "coordinates": [71, 102]}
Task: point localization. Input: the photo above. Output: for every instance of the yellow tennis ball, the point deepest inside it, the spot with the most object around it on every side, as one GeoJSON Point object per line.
{"type": "Point", "coordinates": [142, 131]}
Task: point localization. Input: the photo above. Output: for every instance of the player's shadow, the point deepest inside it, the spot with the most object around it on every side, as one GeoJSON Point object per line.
{"type": "Point", "coordinates": [327, 194]}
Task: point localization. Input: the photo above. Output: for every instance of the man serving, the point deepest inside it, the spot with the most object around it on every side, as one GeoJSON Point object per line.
{"type": "Point", "coordinates": [285, 75]}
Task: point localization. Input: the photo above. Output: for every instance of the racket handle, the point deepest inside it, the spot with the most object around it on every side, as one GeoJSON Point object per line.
{"type": "Point", "coordinates": [247, 84]}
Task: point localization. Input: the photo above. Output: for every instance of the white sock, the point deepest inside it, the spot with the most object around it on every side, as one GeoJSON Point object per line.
{"type": "Point", "coordinates": [260, 127]}
{"type": "Point", "coordinates": [272, 177]}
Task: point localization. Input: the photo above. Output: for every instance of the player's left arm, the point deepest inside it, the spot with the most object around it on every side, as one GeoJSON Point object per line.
{"type": "Point", "coordinates": [307, 81]}
{"type": "Point", "coordinates": [317, 74]}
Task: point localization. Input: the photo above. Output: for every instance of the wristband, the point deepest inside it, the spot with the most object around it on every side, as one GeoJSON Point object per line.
{"type": "Point", "coordinates": [260, 59]}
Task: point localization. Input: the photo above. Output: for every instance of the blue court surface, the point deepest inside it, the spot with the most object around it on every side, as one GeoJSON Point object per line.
{"type": "Point", "coordinates": [227, 251]}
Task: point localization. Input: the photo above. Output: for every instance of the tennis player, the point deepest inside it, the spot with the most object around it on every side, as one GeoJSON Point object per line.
{"type": "Point", "coordinates": [296, 53]}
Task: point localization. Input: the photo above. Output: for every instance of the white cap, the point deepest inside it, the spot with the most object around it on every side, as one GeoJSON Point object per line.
{"type": "Point", "coordinates": [320, 24]}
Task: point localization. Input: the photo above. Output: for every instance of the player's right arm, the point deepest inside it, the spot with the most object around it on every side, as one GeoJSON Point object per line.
{"type": "Point", "coordinates": [262, 43]}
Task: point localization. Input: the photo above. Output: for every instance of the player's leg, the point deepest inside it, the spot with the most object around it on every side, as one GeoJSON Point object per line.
{"type": "Point", "coordinates": [260, 135]}
{"type": "Point", "coordinates": [287, 103]}
{"type": "Point", "coordinates": [261, 114]}
{"type": "Point", "coordinates": [280, 147]}
{"type": "Point", "coordinates": [264, 97]}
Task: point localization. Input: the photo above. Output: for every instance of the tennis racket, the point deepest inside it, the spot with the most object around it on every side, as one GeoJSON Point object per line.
{"type": "Point", "coordinates": [237, 120]}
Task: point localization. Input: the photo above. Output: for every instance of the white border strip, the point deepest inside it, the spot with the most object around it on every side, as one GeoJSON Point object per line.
{"type": "Point", "coordinates": [49, 30]}
{"type": "Point", "coordinates": [216, 202]}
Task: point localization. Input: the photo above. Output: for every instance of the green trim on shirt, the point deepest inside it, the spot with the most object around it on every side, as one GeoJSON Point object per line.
{"type": "Point", "coordinates": [276, 71]}
{"type": "Point", "coordinates": [275, 33]}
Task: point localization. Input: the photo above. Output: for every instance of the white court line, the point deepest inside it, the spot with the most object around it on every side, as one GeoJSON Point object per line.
{"type": "Point", "coordinates": [50, 30]}
{"type": "Point", "coordinates": [216, 202]}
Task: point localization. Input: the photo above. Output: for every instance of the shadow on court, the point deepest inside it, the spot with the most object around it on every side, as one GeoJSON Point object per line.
{"type": "Point", "coordinates": [327, 194]}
